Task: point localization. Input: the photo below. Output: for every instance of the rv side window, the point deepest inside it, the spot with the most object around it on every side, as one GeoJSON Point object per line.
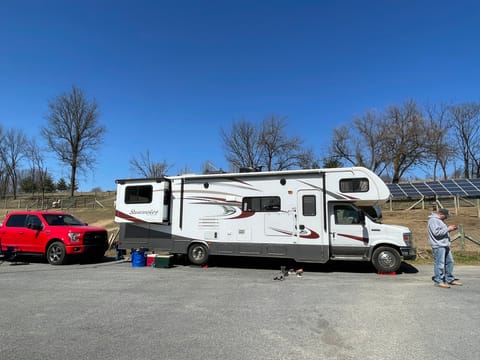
{"type": "Point", "coordinates": [309, 205]}
{"type": "Point", "coordinates": [354, 185]}
{"type": "Point", "coordinates": [261, 203]}
{"type": "Point", "coordinates": [346, 215]}
{"type": "Point", "coordinates": [141, 194]}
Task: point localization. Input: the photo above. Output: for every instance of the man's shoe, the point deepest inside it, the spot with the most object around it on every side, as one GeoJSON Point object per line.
{"type": "Point", "coordinates": [456, 282]}
{"type": "Point", "coordinates": [442, 285]}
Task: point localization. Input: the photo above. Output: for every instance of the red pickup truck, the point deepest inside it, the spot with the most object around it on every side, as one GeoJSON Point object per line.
{"type": "Point", "coordinates": [57, 235]}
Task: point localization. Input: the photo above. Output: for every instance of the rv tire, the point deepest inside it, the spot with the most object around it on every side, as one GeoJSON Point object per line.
{"type": "Point", "coordinates": [386, 259]}
{"type": "Point", "coordinates": [198, 254]}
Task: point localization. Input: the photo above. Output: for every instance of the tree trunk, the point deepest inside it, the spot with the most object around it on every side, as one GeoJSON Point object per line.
{"type": "Point", "coordinates": [73, 180]}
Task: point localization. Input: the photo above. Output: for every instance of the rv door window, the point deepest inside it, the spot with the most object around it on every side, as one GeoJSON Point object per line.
{"type": "Point", "coordinates": [354, 185]}
{"type": "Point", "coordinates": [261, 203]}
{"type": "Point", "coordinates": [138, 194]}
{"type": "Point", "coordinates": [309, 205]}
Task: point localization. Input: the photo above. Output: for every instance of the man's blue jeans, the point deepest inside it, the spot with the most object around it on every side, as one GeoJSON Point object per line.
{"type": "Point", "coordinates": [443, 265]}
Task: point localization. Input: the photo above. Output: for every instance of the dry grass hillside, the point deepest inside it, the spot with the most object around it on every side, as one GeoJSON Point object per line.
{"type": "Point", "coordinates": [465, 251]}
{"type": "Point", "coordinates": [416, 220]}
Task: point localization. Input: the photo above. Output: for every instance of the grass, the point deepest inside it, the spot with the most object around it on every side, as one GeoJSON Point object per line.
{"type": "Point", "coordinates": [460, 257]}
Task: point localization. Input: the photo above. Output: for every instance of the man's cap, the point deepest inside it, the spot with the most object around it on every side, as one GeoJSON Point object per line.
{"type": "Point", "coordinates": [444, 212]}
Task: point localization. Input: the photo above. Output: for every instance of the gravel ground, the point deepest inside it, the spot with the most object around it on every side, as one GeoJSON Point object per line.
{"type": "Point", "coordinates": [230, 310]}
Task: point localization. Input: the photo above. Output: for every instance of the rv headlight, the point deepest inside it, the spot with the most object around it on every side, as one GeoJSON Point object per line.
{"type": "Point", "coordinates": [407, 238]}
{"type": "Point", "coordinates": [74, 237]}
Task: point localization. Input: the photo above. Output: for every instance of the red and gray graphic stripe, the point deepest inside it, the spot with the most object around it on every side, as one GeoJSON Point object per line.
{"type": "Point", "coordinates": [353, 237]}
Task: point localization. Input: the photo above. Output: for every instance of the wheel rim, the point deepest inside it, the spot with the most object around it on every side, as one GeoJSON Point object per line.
{"type": "Point", "coordinates": [55, 253]}
{"type": "Point", "coordinates": [198, 253]}
{"type": "Point", "coordinates": [386, 259]}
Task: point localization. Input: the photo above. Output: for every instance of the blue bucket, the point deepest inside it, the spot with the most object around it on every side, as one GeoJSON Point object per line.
{"type": "Point", "coordinates": [138, 258]}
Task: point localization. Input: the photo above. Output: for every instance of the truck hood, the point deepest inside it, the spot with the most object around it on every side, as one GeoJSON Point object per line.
{"type": "Point", "coordinates": [85, 228]}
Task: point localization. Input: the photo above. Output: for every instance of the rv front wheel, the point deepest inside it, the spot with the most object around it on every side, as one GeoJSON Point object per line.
{"type": "Point", "coordinates": [198, 254]}
{"type": "Point", "coordinates": [386, 259]}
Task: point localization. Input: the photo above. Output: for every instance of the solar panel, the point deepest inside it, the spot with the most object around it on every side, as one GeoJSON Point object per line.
{"type": "Point", "coordinates": [396, 191]}
{"type": "Point", "coordinates": [468, 187]}
{"type": "Point", "coordinates": [438, 188]}
{"type": "Point", "coordinates": [475, 182]}
{"type": "Point", "coordinates": [410, 190]}
{"type": "Point", "coordinates": [424, 189]}
{"type": "Point", "coordinates": [453, 188]}
{"type": "Point", "coordinates": [462, 187]}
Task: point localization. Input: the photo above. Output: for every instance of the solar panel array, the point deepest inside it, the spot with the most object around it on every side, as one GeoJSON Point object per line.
{"type": "Point", "coordinates": [461, 187]}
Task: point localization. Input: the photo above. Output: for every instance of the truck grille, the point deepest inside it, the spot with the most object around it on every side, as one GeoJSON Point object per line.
{"type": "Point", "coordinates": [95, 238]}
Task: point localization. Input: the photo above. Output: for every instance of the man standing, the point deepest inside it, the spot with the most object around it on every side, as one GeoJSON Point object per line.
{"type": "Point", "coordinates": [439, 239]}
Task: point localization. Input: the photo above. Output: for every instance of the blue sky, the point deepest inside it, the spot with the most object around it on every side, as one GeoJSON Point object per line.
{"type": "Point", "coordinates": [168, 75]}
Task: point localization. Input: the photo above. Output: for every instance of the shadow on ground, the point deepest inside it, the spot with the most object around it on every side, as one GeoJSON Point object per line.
{"type": "Point", "coordinates": [277, 264]}
{"type": "Point", "coordinates": [18, 260]}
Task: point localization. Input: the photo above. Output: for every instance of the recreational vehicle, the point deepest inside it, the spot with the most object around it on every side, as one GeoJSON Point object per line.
{"type": "Point", "coordinates": [310, 216]}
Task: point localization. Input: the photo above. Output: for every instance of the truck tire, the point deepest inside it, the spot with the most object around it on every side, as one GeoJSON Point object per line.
{"type": "Point", "coordinates": [198, 254]}
{"type": "Point", "coordinates": [56, 254]}
{"type": "Point", "coordinates": [386, 259]}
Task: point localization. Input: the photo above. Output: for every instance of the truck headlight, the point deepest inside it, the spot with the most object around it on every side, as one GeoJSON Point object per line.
{"type": "Point", "coordinates": [407, 238]}
{"type": "Point", "coordinates": [74, 237]}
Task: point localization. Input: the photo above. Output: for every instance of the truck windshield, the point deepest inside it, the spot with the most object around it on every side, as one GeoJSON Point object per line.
{"type": "Point", "coordinates": [61, 220]}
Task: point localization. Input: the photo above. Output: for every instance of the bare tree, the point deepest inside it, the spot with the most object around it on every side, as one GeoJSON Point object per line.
{"type": "Point", "coordinates": [3, 176]}
{"type": "Point", "coordinates": [73, 131]}
{"type": "Point", "coordinates": [395, 139]}
{"type": "Point", "coordinates": [265, 145]}
{"type": "Point", "coordinates": [465, 121]}
{"type": "Point", "coordinates": [306, 159]}
{"type": "Point", "coordinates": [405, 138]}
{"type": "Point", "coordinates": [369, 150]}
{"type": "Point", "coordinates": [147, 168]}
{"type": "Point", "coordinates": [12, 150]}
{"type": "Point", "coordinates": [361, 143]}
{"type": "Point", "coordinates": [341, 146]}
{"type": "Point", "coordinates": [331, 161]}
{"type": "Point", "coordinates": [38, 171]}
{"type": "Point", "coordinates": [280, 152]}
{"type": "Point", "coordinates": [242, 145]}
{"type": "Point", "coordinates": [440, 149]}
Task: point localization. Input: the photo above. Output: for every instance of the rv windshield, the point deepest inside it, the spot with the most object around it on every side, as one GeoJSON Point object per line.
{"type": "Point", "coordinates": [373, 212]}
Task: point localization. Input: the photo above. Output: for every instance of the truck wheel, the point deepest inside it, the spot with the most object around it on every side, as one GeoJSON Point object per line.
{"type": "Point", "coordinates": [56, 253]}
{"type": "Point", "coordinates": [198, 254]}
{"type": "Point", "coordinates": [386, 259]}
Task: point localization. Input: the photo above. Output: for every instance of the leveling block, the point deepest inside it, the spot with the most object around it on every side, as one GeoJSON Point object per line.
{"type": "Point", "coordinates": [387, 273]}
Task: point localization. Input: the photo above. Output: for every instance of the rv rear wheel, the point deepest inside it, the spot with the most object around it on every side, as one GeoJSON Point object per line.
{"type": "Point", "coordinates": [198, 254]}
{"type": "Point", "coordinates": [386, 259]}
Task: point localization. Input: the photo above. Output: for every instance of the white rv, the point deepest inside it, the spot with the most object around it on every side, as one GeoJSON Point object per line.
{"type": "Point", "coordinates": [306, 215]}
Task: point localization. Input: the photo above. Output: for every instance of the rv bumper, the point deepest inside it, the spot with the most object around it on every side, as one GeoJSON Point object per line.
{"type": "Point", "coordinates": [408, 253]}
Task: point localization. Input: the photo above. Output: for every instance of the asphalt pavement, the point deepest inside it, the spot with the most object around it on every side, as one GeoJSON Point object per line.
{"type": "Point", "coordinates": [234, 309]}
